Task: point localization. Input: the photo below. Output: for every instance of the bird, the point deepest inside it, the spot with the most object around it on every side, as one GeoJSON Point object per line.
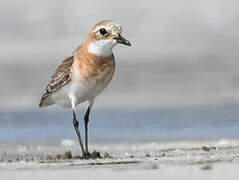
{"type": "Point", "coordinates": [82, 76]}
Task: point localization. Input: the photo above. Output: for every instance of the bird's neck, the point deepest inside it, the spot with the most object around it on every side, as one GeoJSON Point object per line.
{"type": "Point", "coordinates": [84, 56]}
{"type": "Point", "coordinates": [100, 47]}
{"type": "Point", "coordinates": [90, 64]}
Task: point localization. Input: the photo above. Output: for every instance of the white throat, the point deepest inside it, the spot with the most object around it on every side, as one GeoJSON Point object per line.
{"type": "Point", "coordinates": [102, 47]}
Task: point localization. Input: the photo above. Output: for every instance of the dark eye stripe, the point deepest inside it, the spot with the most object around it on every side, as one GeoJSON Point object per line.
{"type": "Point", "coordinates": [103, 31]}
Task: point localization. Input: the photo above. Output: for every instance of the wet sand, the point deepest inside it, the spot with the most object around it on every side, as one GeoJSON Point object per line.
{"type": "Point", "coordinates": [147, 160]}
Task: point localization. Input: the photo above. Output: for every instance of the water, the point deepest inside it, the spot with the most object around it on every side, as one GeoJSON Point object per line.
{"type": "Point", "coordinates": [188, 123]}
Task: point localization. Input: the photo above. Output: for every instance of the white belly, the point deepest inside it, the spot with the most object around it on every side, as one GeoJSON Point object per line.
{"type": "Point", "coordinates": [82, 91]}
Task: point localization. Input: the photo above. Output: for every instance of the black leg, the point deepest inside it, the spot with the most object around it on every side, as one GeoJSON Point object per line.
{"type": "Point", "coordinates": [76, 126]}
{"type": "Point", "coordinates": [86, 119]}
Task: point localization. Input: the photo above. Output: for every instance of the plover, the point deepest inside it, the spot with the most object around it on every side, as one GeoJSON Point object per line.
{"type": "Point", "coordinates": [84, 75]}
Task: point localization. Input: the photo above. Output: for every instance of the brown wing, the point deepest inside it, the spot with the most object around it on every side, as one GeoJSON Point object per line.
{"type": "Point", "coordinates": [60, 77]}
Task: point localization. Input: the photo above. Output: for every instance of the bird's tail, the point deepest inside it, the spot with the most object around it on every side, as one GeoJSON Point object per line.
{"type": "Point", "coordinates": [46, 101]}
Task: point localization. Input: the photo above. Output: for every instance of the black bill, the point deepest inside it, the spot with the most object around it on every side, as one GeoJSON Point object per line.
{"type": "Point", "coordinates": [120, 39]}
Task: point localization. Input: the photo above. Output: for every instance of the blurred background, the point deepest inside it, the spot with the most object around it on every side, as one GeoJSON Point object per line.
{"type": "Point", "coordinates": [179, 80]}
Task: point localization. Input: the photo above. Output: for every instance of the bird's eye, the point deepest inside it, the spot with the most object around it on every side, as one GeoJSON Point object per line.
{"type": "Point", "coordinates": [103, 31]}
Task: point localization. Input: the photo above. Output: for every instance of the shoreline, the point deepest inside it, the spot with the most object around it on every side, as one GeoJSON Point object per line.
{"type": "Point", "coordinates": [151, 160]}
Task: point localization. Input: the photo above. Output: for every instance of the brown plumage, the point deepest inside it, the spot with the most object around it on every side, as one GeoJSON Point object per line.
{"type": "Point", "coordinates": [60, 77]}
{"type": "Point", "coordinates": [92, 66]}
{"type": "Point", "coordinates": [84, 75]}
{"type": "Point", "coordinates": [89, 66]}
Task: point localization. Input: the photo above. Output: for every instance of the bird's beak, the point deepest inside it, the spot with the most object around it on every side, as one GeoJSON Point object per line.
{"type": "Point", "coordinates": [120, 39]}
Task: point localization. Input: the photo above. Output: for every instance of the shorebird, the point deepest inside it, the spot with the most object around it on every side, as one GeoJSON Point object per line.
{"type": "Point", "coordinates": [84, 75]}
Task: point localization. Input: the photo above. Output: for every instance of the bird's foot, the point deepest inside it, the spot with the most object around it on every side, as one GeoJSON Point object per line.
{"type": "Point", "coordinates": [86, 155]}
{"type": "Point", "coordinates": [93, 155]}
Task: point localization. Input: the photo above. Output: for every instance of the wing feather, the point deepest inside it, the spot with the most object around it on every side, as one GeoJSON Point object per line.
{"type": "Point", "coordinates": [60, 77]}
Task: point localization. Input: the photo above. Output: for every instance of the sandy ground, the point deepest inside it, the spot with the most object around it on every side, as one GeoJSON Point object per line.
{"type": "Point", "coordinates": [219, 171]}
{"type": "Point", "coordinates": [148, 160]}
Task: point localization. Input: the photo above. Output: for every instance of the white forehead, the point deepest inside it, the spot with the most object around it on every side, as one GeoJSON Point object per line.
{"type": "Point", "coordinates": [113, 27]}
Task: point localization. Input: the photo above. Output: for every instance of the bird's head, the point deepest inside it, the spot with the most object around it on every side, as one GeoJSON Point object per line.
{"type": "Point", "coordinates": [104, 36]}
